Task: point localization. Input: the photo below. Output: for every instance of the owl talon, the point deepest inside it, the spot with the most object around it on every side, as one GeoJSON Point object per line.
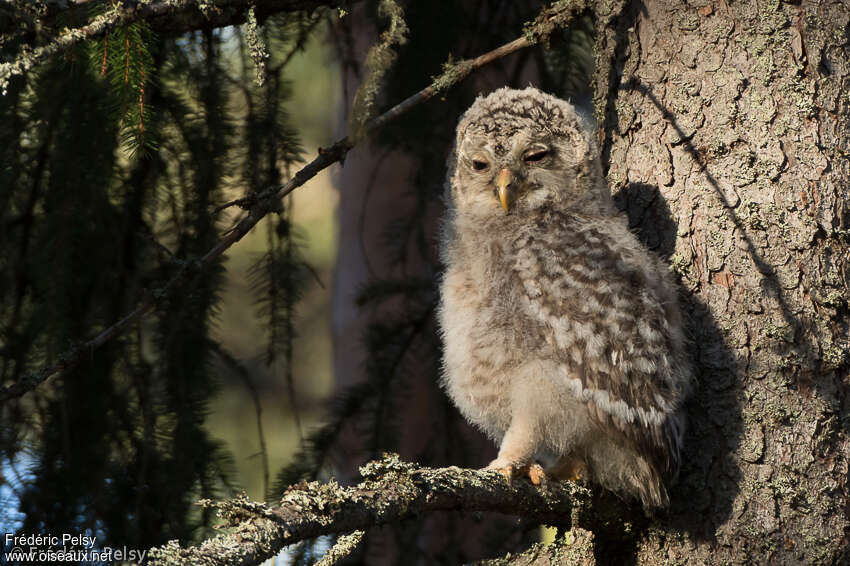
{"type": "Point", "coordinates": [507, 472]}
{"type": "Point", "coordinates": [536, 474]}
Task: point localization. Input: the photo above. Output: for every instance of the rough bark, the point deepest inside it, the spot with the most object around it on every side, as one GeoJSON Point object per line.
{"type": "Point", "coordinates": [727, 138]}
{"type": "Point", "coordinates": [392, 490]}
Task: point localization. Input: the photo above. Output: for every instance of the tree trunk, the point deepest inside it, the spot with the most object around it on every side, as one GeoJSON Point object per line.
{"type": "Point", "coordinates": [727, 141]}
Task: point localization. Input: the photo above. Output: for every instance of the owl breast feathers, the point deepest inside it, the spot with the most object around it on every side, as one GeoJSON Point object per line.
{"type": "Point", "coordinates": [563, 338]}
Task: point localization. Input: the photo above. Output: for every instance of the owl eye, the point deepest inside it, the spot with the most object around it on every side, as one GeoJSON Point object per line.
{"type": "Point", "coordinates": [480, 165]}
{"type": "Point", "coordinates": [535, 155]}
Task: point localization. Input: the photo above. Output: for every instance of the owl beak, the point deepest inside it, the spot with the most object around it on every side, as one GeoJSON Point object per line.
{"type": "Point", "coordinates": [503, 182]}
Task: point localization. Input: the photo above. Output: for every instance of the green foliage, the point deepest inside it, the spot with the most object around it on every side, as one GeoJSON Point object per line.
{"type": "Point", "coordinates": [103, 200]}
{"type": "Point", "coordinates": [124, 59]}
{"type": "Point", "coordinates": [118, 442]}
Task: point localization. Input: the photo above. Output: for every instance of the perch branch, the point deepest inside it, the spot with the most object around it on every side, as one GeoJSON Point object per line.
{"type": "Point", "coordinates": [392, 490]}
{"type": "Point", "coordinates": [260, 204]}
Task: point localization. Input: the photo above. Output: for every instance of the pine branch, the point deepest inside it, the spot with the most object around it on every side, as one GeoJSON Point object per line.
{"type": "Point", "coordinates": [392, 491]}
{"type": "Point", "coordinates": [162, 16]}
{"type": "Point", "coordinates": [259, 205]}
{"type": "Point", "coordinates": [165, 17]}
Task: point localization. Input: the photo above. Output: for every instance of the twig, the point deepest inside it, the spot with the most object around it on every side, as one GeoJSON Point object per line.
{"type": "Point", "coordinates": [392, 491]}
{"type": "Point", "coordinates": [267, 200]}
{"type": "Point", "coordinates": [343, 547]}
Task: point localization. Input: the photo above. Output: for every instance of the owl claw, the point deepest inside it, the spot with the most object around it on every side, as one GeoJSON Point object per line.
{"type": "Point", "coordinates": [534, 472]}
{"type": "Point", "coordinates": [507, 471]}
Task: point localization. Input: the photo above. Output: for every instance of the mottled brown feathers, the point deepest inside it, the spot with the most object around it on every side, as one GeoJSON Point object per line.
{"type": "Point", "coordinates": [562, 334]}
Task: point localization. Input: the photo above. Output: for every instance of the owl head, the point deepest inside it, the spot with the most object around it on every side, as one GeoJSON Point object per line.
{"type": "Point", "coordinates": [520, 151]}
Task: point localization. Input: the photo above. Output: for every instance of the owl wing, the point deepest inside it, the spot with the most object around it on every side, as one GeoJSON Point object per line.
{"type": "Point", "coordinates": [608, 311]}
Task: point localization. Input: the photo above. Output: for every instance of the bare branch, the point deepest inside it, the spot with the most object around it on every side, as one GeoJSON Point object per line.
{"type": "Point", "coordinates": [391, 491]}
{"type": "Point", "coordinates": [268, 200]}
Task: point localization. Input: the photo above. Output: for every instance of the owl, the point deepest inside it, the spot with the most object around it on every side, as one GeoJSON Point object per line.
{"type": "Point", "coordinates": [562, 332]}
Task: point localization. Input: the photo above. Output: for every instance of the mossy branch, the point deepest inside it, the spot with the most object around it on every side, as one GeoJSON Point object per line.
{"type": "Point", "coordinates": [391, 491]}
{"type": "Point", "coordinates": [162, 16]}
{"type": "Point", "coordinates": [553, 18]}
{"type": "Point", "coordinates": [256, 46]}
{"type": "Point", "coordinates": [379, 59]}
{"type": "Point", "coordinates": [344, 546]}
{"type": "Point", "coordinates": [268, 200]}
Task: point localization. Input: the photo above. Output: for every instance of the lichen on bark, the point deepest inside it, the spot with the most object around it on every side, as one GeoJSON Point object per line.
{"type": "Point", "coordinates": [735, 114]}
{"type": "Point", "coordinates": [391, 490]}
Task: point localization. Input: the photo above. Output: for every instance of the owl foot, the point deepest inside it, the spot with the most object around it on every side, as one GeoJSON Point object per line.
{"type": "Point", "coordinates": [533, 471]}
{"type": "Point", "coordinates": [536, 474]}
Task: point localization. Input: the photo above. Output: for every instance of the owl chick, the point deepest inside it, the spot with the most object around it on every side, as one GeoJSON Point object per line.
{"type": "Point", "coordinates": [563, 337]}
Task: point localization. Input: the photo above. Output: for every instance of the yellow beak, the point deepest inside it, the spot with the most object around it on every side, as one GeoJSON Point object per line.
{"type": "Point", "coordinates": [503, 181]}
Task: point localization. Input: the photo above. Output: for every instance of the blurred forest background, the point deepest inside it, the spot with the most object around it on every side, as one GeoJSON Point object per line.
{"type": "Point", "coordinates": [116, 156]}
{"type": "Point", "coordinates": [119, 157]}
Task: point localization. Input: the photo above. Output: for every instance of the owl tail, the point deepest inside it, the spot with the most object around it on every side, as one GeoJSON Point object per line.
{"type": "Point", "coordinates": [629, 474]}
